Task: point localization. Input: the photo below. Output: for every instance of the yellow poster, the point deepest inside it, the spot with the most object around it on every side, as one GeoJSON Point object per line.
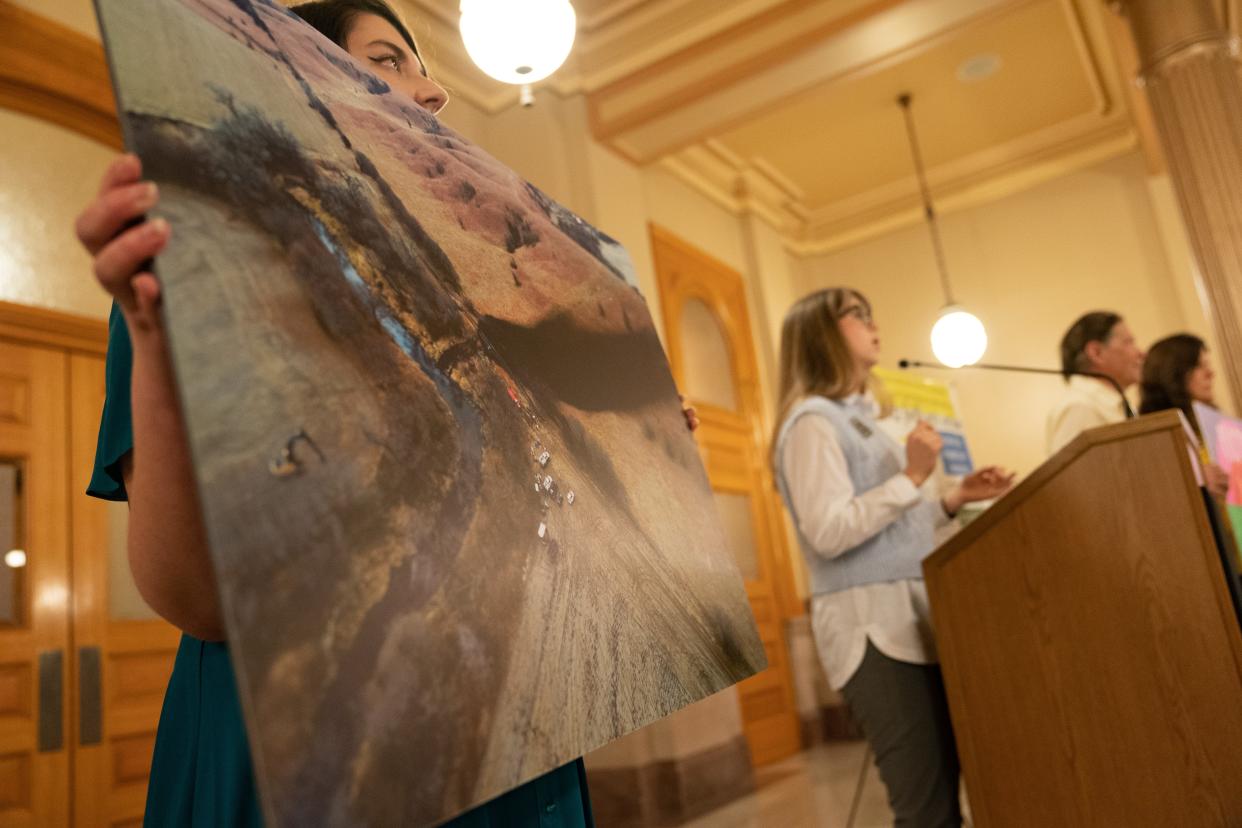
{"type": "Point", "coordinates": [915, 398]}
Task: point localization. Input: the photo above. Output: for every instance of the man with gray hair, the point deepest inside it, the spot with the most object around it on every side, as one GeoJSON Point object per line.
{"type": "Point", "coordinates": [1100, 342]}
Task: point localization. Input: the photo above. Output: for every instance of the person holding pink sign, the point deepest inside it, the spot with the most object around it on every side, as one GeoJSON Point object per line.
{"type": "Point", "coordinates": [1177, 374]}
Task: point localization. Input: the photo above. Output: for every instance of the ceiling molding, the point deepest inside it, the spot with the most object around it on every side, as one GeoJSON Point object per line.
{"type": "Point", "coordinates": [1087, 55]}
{"type": "Point", "coordinates": [610, 13]}
{"type": "Point", "coordinates": [718, 188]}
{"type": "Point", "coordinates": [741, 187]}
{"type": "Point", "coordinates": [662, 31]}
{"type": "Point", "coordinates": [55, 73]}
{"type": "Point", "coordinates": [753, 185]}
{"type": "Point", "coordinates": [748, 188]}
{"type": "Point", "coordinates": [1125, 57]}
{"type": "Point", "coordinates": [672, 105]}
{"type": "Point", "coordinates": [958, 186]}
{"type": "Point", "coordinates": [638, 60]}
{"type": "Point", "coordinates": [732, 55]}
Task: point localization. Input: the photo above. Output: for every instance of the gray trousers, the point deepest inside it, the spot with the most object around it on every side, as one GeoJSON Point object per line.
{"type": "Point", "coordinates": [904, 714]}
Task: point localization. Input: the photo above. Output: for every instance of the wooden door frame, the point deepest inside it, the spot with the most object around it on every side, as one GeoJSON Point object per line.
{"type": "Point", "coordinates": [28, 325]}
{"type": "Point", "coordinates": [95, 795]}
{"type": "Point", "coordinates": [54, 73]}
{"type": "Point", "coordinates": [70, 336]}
{"type": "Point", "coordinates": [60, 76]}
{"type": "Point", "coordinates": [32, 428]}
{"type": "Point", "coordinates": [733, 443]}
{"type": "Point", "coordinates": [750, 392]}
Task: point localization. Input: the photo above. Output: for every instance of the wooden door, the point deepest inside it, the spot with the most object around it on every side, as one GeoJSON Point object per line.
{"type": "Point", "coordinates": [83, 662]}
{"type": "Point", "coordinates": [76, 601]}
{"type": "Point", "coordinates": [123, 653]}
{"type": "Point", "coordinates": [712, 354]}
{"type": "Point", "coordinates": [34, 588]}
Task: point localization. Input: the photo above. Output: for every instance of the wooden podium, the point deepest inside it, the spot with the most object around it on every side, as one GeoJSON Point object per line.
{"type": "Point", "coordinates": [1090, 642]}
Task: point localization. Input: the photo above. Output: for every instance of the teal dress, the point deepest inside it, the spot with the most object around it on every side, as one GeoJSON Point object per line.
{"type": "Point", "coordinates": [201, 774]}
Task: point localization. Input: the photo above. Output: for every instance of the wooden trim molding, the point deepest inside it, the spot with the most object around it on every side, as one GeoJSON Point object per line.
{"type": "Point", "coordinates": [683, 77]}
{"type": "Point", "coordinates": [55, 73]}
{"type": "Point", "coordinates": [672, 791]}
{"type": "Point", "coordinates": [40, 326]}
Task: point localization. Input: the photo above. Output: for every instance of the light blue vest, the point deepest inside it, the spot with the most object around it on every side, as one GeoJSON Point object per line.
{"type": "Point", "coordinates": [896, 552]}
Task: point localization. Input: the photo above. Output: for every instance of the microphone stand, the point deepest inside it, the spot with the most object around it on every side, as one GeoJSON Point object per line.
{"type": "Point", "coordinates": [913, 363]}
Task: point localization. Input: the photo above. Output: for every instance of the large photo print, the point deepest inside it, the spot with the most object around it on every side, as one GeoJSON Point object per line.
{"type": "Point", "coordinates": [460, 530]}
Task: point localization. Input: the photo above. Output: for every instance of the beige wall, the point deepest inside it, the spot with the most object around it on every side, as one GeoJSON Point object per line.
{"type": "Point", "coordinates": [46, 175]}
{"type": "Point", "coordinates": [696, 219]}
{"type": "Point", "coordinates": [1027, 265]}
{"type": "Point", "coordinates": [770, 296]}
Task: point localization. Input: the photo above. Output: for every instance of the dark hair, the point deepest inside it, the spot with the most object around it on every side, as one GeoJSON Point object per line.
{"type": "Point", "coordinates": [335, 18]}
{"type": "Point", "coordinates": [1168, 364]}
{"type": "Point", "coordinates": [1096, 326]}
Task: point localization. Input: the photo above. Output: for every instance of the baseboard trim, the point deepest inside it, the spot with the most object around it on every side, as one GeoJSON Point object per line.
{"type": "Point", "coordinates": [669, 792]}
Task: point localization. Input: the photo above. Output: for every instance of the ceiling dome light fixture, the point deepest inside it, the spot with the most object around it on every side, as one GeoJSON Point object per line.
{"type": "Point", "coordinates": [518, 41]}
{"type": "Point", "coordinates": [958, 338]}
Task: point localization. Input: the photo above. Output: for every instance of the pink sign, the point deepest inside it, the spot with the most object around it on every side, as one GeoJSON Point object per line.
{"type": "Point", "coordinates": [1223, 436]}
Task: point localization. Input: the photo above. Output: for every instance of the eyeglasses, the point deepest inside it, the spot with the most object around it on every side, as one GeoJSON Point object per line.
{"type": "Point", "coordinates": [860, 313]}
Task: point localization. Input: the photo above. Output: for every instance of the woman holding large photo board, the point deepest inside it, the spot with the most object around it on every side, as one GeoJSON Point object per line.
{"type": "Point", "coordinates": [201, 772]}
{"type": "Point", "coordinates": [865, 526]}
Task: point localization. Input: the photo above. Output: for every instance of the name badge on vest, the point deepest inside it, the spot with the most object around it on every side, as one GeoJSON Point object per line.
{"type": "Point", "coordinates": [861, 427]}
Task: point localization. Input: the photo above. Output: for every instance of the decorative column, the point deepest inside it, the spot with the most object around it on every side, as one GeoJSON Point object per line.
{"type": "Point", "coordinates": [1189, 68]}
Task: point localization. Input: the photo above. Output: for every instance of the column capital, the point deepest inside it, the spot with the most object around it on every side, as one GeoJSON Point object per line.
{"type": "Point", "coordinates": [1165, 30]}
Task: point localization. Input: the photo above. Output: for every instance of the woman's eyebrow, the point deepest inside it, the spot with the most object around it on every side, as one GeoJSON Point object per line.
{"type": "Point", "coordinates": [387, 43]}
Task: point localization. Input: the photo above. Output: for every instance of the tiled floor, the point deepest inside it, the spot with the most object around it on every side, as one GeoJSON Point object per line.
{"type": "Point", "coordinates": [811, 790]}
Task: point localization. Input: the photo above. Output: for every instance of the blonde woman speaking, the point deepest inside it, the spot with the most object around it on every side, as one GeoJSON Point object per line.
{"type": "Point", "coordinates": [865, 526]}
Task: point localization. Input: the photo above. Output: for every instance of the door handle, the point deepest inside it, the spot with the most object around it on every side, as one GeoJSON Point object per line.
{"type": "Point", "coordinates": [51, 700]}
{"type": "Point", "coordinates": [90, 696]}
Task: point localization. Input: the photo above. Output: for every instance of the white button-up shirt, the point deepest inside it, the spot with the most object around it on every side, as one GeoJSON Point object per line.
{"type": "Point", "coordinates": [1086, 403]}
{"type": "Point", "coordinates": [894, 615]}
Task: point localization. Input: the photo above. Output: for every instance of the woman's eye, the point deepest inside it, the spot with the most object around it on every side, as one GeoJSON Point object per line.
{"type": "Point", "coordinates": [390, 61]}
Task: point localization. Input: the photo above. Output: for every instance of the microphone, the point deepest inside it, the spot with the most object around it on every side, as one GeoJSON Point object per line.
{"type": "Point", "coordinates": [1019, 369]}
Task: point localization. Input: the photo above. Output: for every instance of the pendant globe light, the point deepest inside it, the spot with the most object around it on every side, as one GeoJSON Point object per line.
{"type": "Point", "coordinates": [958, 338]}
{"type": "Point", "coordinates": [518, 41]}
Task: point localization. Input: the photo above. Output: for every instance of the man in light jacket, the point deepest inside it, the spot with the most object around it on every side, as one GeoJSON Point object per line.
{"type": "Point", "coordinates": [1100, 342]}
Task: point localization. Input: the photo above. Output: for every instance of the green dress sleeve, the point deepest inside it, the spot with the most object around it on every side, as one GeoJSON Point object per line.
{"type": "Point", "coordinates": [116, 430]}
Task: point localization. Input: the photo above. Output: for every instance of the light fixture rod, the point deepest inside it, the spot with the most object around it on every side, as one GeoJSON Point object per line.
{"type": "Point", "coordinates": [928, 210]}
